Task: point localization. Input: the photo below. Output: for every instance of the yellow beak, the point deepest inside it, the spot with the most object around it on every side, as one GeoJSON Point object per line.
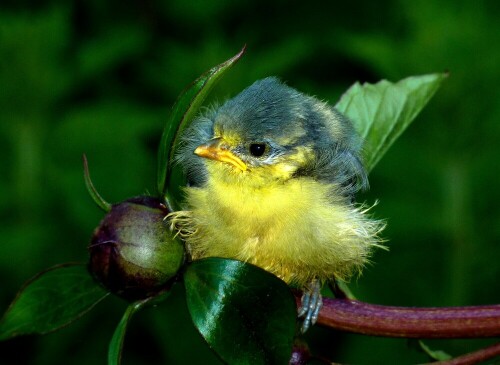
{"type": "Point", "coordinates": [216, 150]}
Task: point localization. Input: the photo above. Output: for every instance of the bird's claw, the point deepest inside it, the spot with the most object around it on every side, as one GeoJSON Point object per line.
{"type": "Point", "coordinates": [311, 303]}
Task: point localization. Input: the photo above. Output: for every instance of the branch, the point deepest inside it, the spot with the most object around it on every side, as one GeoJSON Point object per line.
{"type": "Point", "coordinates": [473, 357]}
{"type": "Point", "coordinates": [409, 322]}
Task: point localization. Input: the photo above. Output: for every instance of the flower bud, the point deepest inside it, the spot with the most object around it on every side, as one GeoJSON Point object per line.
{"type": "Point", "coordinates": [132, 252]}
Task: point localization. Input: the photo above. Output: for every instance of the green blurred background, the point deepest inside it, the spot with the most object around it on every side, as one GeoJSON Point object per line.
{"type": "Point", "coordinates": [99, 78]}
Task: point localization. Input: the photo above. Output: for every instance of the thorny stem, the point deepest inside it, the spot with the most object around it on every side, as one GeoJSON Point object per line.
{"type": "Point", "coordinates": [410, 322]}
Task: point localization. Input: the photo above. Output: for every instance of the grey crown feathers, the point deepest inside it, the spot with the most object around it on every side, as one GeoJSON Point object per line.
{"type": "Point", "coordinates": [268, 111]}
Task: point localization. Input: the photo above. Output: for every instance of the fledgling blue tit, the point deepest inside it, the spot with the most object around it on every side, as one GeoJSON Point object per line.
{"type": "Point", "coordinates": [272, 175]}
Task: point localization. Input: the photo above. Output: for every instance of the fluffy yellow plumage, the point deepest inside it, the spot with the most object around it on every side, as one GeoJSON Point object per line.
{"type": "Point", "coordinates": [272, 177]}
{"type": "Point", "coordinates": [292, 229]}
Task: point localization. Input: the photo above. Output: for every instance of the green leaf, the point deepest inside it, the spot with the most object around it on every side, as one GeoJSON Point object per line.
{"type": "Point", "coordinates": [51, 300]}
{"type": "Point", "coordinates": [96, 197]}
{"type": "Point", "coordinates": [382, 111]}
{"type": "Point", "coordinates": [170, 177]}
{"type": "Point", "coordinates": [116, 344]}
{"type": "Point", "coordinates": [246, 314]}
{"type": "Point", "coordinates": [435, 355]}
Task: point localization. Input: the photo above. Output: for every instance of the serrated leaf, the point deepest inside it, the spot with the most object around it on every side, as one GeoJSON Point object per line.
{"type": "Point", "coordinates": [382, 111]}
{"type": "Point", "coordinates": [51, 300]}
{"type": "Point", "coordinates": [245, 314]}
{"type": "Point", "coordinates": [116, 344]}
{"type": "Point", "coordinates": [170, 177]}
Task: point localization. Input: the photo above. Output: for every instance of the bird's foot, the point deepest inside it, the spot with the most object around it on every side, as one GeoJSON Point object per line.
{"type": "Point", "coordinates": [311, 304]}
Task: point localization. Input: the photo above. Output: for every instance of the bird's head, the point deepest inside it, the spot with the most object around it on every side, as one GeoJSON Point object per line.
{"type": "Point", "coordinates": [270, 133]}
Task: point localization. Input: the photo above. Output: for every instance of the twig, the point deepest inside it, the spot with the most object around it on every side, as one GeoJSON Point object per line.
{"type": "Point", "coordinates": [388, 321]}
{"type": "Point", "coordinates": [474, 357]}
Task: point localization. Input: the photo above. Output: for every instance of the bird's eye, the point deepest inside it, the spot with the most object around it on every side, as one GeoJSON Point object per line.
{"type": "Point", "coordinates": [257, 149]}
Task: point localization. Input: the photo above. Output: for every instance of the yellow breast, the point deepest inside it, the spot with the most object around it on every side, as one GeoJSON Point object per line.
{"type": "Point", "coordinates": [297, 229]}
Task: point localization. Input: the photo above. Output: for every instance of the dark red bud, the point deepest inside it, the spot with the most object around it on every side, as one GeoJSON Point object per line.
{"type": "Point", "coordinates": [132, 252]}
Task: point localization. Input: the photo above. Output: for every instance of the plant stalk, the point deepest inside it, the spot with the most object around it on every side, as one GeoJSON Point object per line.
{"type": "Point", "coordinates": [475, 357]}
{"type": "Point", "coordinates": [409, 322]}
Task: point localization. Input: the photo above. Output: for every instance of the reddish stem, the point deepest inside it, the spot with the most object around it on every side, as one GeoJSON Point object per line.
{"type": "Point", "coordinates": [408, 322]}
{"type": "Point", "coordinates": [474, 357]}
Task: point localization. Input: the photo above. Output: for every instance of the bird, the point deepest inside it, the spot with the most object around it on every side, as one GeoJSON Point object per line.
{"type": "Point", "coordinates": [272, 176]}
